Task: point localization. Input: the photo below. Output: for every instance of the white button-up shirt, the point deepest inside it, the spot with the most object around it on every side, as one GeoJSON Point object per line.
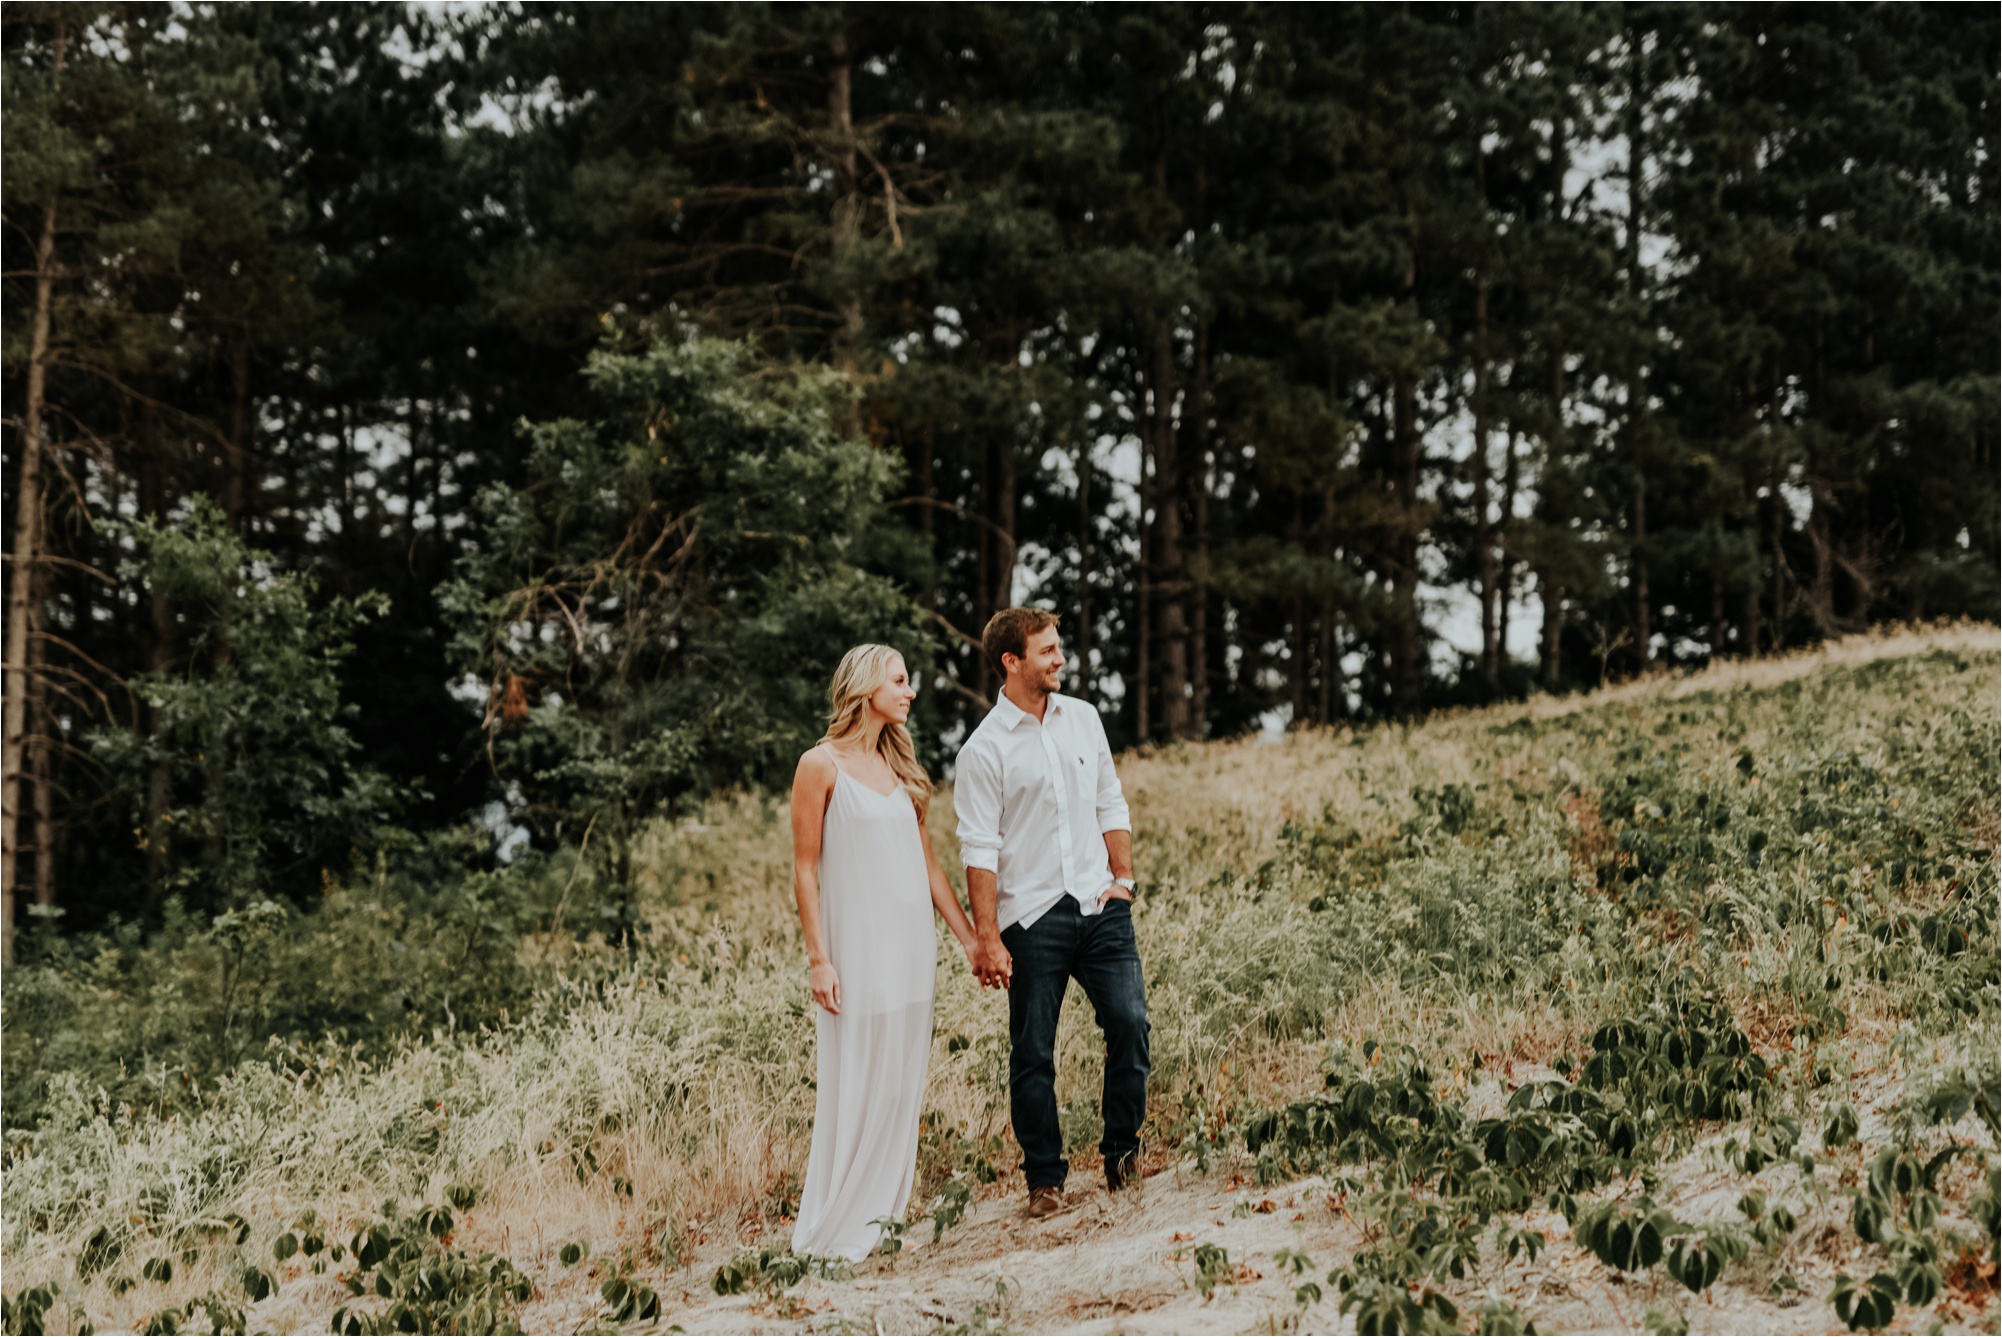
{"type": "Point", "coordinates": [1035, 801]}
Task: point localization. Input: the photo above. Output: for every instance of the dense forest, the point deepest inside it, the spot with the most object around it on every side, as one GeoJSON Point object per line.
{"type": "Point", "coordinates": [431, 431]}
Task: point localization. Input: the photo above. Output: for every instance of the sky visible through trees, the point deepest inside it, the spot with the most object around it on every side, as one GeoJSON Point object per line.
{"type": "Point", "coordinates": [422, 411]}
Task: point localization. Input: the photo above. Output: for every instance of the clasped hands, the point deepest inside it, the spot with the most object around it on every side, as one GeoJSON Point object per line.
{"type": "Point", "coordinates": [991, 963]}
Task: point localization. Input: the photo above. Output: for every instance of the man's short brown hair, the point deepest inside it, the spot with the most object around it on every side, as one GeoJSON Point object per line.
{"type": "Point", "coordinates": [1009, 630]}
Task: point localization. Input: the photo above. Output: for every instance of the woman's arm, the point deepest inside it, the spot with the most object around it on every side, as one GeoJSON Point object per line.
{"type": "Point", "coordinates": [811, 785]}
{"type": "Point", "coordinates": [942, 897]}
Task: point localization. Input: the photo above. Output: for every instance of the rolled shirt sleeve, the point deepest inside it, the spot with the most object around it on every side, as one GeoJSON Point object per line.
{"type": "Point", "coordinates": [976, 797]}
{"type": "Point", "coordinates": [1112, 812]}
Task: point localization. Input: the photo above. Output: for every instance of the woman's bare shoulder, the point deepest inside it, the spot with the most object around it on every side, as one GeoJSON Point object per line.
{"type": "Point", "coordinates": [815, 764]}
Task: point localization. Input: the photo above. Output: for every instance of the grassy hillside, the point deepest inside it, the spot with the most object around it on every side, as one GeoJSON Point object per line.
{"type": "Point", "coordinates": [1473, 971]}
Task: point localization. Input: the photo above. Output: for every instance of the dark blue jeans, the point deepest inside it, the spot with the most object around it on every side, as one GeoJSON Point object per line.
{"type": "Point", "coordinates": [1097, 951]}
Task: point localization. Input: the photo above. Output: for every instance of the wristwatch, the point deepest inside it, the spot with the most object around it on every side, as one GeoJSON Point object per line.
{"type": "Point", "coordinates": [1125, 882]}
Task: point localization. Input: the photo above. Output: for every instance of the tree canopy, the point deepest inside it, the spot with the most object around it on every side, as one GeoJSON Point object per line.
{"type": "Point", "coordinates": [1316, 363]}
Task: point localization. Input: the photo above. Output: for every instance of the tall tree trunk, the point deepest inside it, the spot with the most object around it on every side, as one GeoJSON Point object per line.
{"type": "Point", "coordinates": [1643, 597]}
{"type": "Point", "coordinates": [1717, 614]}
{"type": "Point", "coordinates": [1484, 543]}
{"type": "Point", "coordinates": [1004, 522]}
{"type": "Point", "coordinates": [1821, 586]}
{"type": "Point", "coordinates": [1197, 418]}
{"type": "Point", "coordinates": [1404, 583]}
{"type": "Point", "coordinates": [1511, 475]}
{"type": "Point", "coordinates": [236, 462]}
{"type": "Point", "coordinates": [1297, 678]}
{"type": "Point", "coordinates": [1404, 473]}
{"type": "Point", "coordinates": [1748, 619]}
{"type": "Point", "coordinates": [41, 767]}
{"type": "Point", "coordinates": [1324, 663]}
{"type": "Point", "coordinates": [1553, 628]}
{"type": "Point", "coordinates": [927, 524]}
{"type": "Point", "coordinates": [1821, 499]}
{"type": "Point", "coordinates": [983, 578]}
{"type": "Point", "coordinates": [847, 218]}
{"type": "Point", "coordinates": [1085, 685]}
{"type": "Point", "coordinates": [23, 613]}
{"type": "Point", "coordinates": [154, 501]}
{"type": "Point", "coordinates": [1169, 563]}
{"type": "Point", "coordinates": [1636, 164]}
{"type": "Point", "coordinates": [1143, 670]}
{"type": "Point", "coordinates": [1777, 535]}
{"type": "Point", "coordinates": [1550, 657]}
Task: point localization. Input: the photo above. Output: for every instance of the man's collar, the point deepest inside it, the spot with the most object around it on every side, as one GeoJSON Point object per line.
{"type": "Point", "coordinates": [1012, 714]}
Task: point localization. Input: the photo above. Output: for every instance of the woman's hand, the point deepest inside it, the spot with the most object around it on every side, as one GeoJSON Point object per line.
{"type": "Point", "coordinates": [827, 987]}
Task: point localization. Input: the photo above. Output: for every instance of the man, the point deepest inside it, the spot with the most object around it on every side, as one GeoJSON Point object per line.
{"type": "Point", "coordinates": [1048, 848]}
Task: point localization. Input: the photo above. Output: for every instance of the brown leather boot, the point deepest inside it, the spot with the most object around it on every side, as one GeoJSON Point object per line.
{"type": "Point", "coordinates": [1044, 1201]}
{"type": "Point", "coordinates": [1122, 1172]}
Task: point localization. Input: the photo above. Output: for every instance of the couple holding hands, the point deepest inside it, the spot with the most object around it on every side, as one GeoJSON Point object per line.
{"type": "Point", "coordinates": [1048, 849]}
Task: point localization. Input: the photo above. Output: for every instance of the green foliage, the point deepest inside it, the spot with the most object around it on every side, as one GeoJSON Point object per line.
{"type": "Point", "coordinates": [627, 1298]}
{"type": "Point", "coordinates": [1384, 1307]}
{"type": "Point", "coordinates": [422, 935]}
{"type": "Point", "coordinates": [408, 1261]}
{"type": "Point", "coordinates": [952, 1165]}
{"type": "Point", "coordinates": [1212, 1264]}
{"type": "Point", "coordinates": [658, 612]}
{"type": "Point", "coordinates": [772, 1271]}
{"type": "Point", "coordinates": [1986, 1207]}
{"type": "Point", "coordinates": [1867, 1304]}
{"type": "Point", "coordinates": [1502, 1319]}
{"type": "Point", "coordinates": [219, 1313]}
{"type": "Point", "coordinates": [248, 783]}
{"type": "Point", "coordinates": [1665, 1321]}
{"type": "Point", "coordinates": [27, 1310]}
{"type": "Point", "coordinates": [1691, 1061]}
{"type": "Point", "coordinates": [1307, 1293]}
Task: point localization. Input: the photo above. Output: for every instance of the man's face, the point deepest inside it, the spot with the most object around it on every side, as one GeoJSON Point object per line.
{"type": "Point", "coordinates": [1042, 661]}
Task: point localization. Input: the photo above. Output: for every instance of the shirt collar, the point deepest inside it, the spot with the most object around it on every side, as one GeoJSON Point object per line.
{"type": "Point", "coordinates": [1012, 714]}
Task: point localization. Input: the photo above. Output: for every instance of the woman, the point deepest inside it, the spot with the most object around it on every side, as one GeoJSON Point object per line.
{"type": "Point", "coordinates": [862, 870]}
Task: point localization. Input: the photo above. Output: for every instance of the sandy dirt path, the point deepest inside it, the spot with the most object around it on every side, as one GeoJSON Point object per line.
{"type": "Point", "coordinates": [1123, 1264]}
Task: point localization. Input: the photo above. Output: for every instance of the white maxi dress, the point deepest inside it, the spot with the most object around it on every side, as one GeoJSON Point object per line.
{"type": "Point", "coordinates": [876, 920]}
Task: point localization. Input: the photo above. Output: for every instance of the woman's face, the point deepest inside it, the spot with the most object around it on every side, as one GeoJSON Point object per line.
{"type": "Point", "coordinates": [892, 701]}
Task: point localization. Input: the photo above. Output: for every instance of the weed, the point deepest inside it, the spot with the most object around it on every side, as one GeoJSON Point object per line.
{"type": "Point", "coordinates": [1212, 1264]}
{"type": "Point", "coordinates": [627, 1298]}
{"type": "Point", "coordinates": [429, 1286]}
{"type": "Point", "coordinates": [768, 1272]}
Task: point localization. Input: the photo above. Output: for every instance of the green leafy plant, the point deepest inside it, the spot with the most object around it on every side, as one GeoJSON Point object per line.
{"type": "Point", "coordinates": [27, 1311]}
{"type": "Point", "coordinates": [1383, 1307]}
{"type": "Point", "coordinates": [627, 1298]}
{"type": "Point", "coordinates": [1867, 1304]}
{"type": "Point", "coordinates": [1212, 1265]}
{"type": "Point", "coordinates": [428, 1285]}
{"type": "Point", "coordinates": [769, 1273]}
{"type": "Point", "coordinates": [1627, 1237]}
{"type": "Point", "coordinates": [1499, 1318]}
{"type": "Point", "coordinates": [1306, 1293]}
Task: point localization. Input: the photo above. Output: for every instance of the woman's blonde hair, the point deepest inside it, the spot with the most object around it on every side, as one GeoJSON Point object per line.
{"type": "Point", "coordinates": [862, 671]}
